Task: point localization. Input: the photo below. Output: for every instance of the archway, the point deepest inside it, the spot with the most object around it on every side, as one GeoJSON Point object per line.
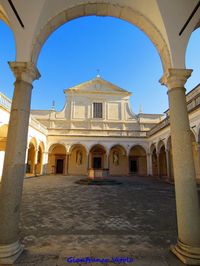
{"type": "Point", "coordinates": [98, 157]}
{"type": "Point", "coordinates": [103, 9]}
{"type": "Point", "coordinates": [3, 16]}
{"type": "Point", "coordinates": [77, 161]}
{"type": "Point", "coordinates": [118, 161]}
{"type": "Point", "coordinates": [154, 160]}
{"type": "Point", "coordinates": [57, 159]}
{"type": "Point", "coordinates": [31, 164]}
{"type": "Point", "coordinates": [40, 159]}
{"type": "Point", "coordinates": [138, 161]}
{"type": "Point", "coordinates": [162, 159]}
{"type": "Point", "coordinates": [162, 162]}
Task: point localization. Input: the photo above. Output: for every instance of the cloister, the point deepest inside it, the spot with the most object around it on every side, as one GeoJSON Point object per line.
{"type": "Point", "coordinates": [159, 21]}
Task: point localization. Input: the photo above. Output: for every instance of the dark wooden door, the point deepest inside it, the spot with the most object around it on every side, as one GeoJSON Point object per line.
{"type": "Point", "coordinates": [59, 166]}
{"type": "Point", "coordinates": [133, 166]}
{"type": "Point", "coordinates": [97, 163]}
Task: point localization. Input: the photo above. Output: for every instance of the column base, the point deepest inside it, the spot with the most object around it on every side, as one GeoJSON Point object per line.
{"type": "Point", "coordinates": [187, 254]}
{"type": "Point", "coordinates": [10, 253]}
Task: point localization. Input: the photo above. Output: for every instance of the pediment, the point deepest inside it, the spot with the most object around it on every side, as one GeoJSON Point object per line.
{"type": "Point", "coordinates": [97, 85]}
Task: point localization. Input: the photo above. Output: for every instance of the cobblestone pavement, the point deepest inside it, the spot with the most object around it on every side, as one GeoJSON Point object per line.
{"type": "Point", "coordinates": [61, 219]}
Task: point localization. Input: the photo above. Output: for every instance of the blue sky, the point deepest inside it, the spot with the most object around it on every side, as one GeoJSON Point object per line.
{"type": "Point", "coordinates": [73, 53]}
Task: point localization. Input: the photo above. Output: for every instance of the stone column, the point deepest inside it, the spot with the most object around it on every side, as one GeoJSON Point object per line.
{"type": "Point", "coordinates": [149, 164]}
{"type": "Point", "coordinates": [106, 158]}
{"type": "Point", "coordinates": [127, 164]}
{"type": "Point", "coordinates": [188, 213]}
{"type": "Point", "coordinates": [14, 165]}
{"type": "Point", "coordinates": [89, 161]}
{"type": "Point", "coordinates": [167, 152]}
{"type": "Point", "coordinates": [66, 163]}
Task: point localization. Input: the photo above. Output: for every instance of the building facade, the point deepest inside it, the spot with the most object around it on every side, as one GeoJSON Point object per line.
{"type": "Point", "coordinates": [96, 129]}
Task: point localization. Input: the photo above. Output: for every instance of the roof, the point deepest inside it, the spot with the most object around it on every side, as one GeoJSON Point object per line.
{"type": "Point", "coordinates": [97, 85]}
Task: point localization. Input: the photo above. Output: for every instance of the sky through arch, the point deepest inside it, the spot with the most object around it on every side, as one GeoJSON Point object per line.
{"type": "Point", "coordinates": [73, 53]}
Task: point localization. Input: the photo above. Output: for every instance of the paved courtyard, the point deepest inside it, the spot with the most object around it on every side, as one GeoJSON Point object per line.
{"type": "Point", "coordinates": [61, 219]}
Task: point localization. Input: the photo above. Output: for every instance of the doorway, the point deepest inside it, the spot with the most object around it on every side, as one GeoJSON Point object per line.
{"type": "Point", "coordinates": [59, 166]}
{"type": "Point", "coordinates": [97, 163]}
{"type": "Point", "coordinates": [133, 166]}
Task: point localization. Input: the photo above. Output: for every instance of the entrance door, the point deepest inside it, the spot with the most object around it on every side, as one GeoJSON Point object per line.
{"type": "Point", "coordinates": [133, 166]}
{"type": "Point", "coordinates": [59, 166]}
{"type": "Point", "coordinates": [97, 163]}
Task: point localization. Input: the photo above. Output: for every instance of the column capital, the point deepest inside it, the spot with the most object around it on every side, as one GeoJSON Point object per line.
{"type": "Point", "coordinates": [175, 77]}
{"type": "Point", "coordinates": [25, 71]}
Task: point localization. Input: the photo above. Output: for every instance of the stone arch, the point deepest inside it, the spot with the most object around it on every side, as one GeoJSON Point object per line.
{"type": "Point", "coordinates": [40, 158]}
{"type": "Point", "coordinates": [104, 9]}
{"type": "Point", "coordinates": [162, 161]}
{"type": "Point", "coordinates": [120, 146]}
{"type": "Point", "coordinates": [33, 140]}
{"type": "Point", "coordinates": [3, 16]}
{"type": "Point", "coordinates": [140, 145]}
{"type": "Point", "coordinates": [77, 161]}
{"type": "Point", "coordinates": [31, 164]}
{"type": "Point", "coordinates": [152, 147]}
{"type": "Point", "coordinates": [53, 145]}
{"type": "Point", "coordinates": [98, 145]}
{"type": "Point", "coordinates": [57, 159]}
{"type": "Point", "coordinates": [138, 160]}
{"type": "Point", "coordinates": [159, 145]}
{"type": "Point", "coordinates": [76, 145]}
{"type": "Point", "coordinates": [98, 158]}
{"type": "Point", "coordinates": [118, 160]}
{"type": "Point", "coordinates": [5, 19]}
{"type": "Point", "coordinates": [154, 159]}
{"type": "Point", "coordinates": [194, 134]}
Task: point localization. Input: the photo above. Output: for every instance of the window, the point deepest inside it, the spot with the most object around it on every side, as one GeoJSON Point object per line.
{"type": "Point", "coordinates": [97, 110]}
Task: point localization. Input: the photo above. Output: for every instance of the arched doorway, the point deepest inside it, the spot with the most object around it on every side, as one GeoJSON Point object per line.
{"type": "Point", "coordinates": [98, 157]}
{"type": "Point", "coordinates": [31, 164]}
{"type": "Point", "coordinates": [118, 161]}
{"type": "Point", "coordinates": [77, 161]}
{"type": "Point", "coordinates": [40, 159]}
{"type": "Point", "coordinates": [162, 162]}
{"type": "Point", "coordinates": [57, 159]}
{"type": "Point", "coordinates": [138, 161]}
{"type": "Point", "coordinates": [154, 160]}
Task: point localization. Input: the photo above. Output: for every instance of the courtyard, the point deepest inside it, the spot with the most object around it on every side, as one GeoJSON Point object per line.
{"type": "Point", "coordinates": [61, 219]}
